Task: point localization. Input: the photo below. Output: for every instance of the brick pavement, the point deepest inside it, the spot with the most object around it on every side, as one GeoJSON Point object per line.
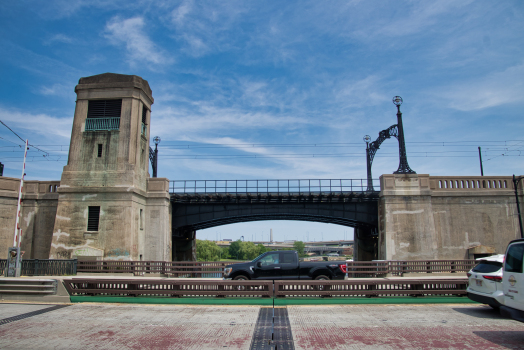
{"type": "Point", "coordinates": [125, 326]}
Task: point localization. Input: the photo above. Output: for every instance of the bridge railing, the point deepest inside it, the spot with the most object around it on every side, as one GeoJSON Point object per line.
{"type": "Point", "coordinates": [271, 186]}
{"type": "Point", "coordinates": [45, 267]}
{"type": "Point", "coordinates": [256, 288]}
{"type": "Point", "coordinates": [215, 269]}
{"type": "Point", "coordinates": [399, 268]}
{"type": "Point", "coordinates": [209, 269]}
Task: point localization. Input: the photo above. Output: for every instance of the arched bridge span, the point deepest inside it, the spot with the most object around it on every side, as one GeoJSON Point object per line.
{"type": "Point", "coordinates": [203, 204]}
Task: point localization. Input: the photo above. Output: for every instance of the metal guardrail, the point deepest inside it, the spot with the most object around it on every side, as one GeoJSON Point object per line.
{"type": "Point", "coordinates": [45, 267]}
{"type": "Point", "coordinates": [174, 288]}
{"type": "Point", "coordinates": [399, 268]}
{"type": "Point", "coordinates": [304, 186]}
{"type": "Point", "coordinates": [205, 269]}
{"type": "Point", "coordinates": [210, 269]}
{"type": "Point", "coordinates": [284, 288]}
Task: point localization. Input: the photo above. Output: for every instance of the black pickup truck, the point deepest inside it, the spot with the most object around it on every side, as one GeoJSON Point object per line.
{"type": "Point", "coordinates": [280, 265]}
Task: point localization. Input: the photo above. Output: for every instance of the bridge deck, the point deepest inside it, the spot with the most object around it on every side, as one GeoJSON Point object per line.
{"type": "Point", "coordinates": [353, 196]}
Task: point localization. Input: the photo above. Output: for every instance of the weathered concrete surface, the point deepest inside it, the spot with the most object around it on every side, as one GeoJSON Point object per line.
{"type": "Point", "coordinates": [423, 217]}
{"type": "Point", "coordinates": [117, 326]}
{"type": "Point", "coordinates": [134, 209]}
{"type": "Point", "coordinates": [38, 210]}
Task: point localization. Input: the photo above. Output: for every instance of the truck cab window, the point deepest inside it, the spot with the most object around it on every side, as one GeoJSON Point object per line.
{"type": "Point", "coordinates": [288, 258]}
{"type": "Point", "coordinates": [270, 259]}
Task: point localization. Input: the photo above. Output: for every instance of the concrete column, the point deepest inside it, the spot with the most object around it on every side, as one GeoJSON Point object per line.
{"type": "Point", "coordinates": [407, 228]}
{"type": "Point", "coordinates": [365, 245]}
{"type": "Point", "coordinates": [184, 248]}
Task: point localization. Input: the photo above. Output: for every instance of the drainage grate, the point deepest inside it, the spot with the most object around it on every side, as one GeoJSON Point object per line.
{"type": "Point", "coordinates": [30, 314]}
{"type": "Point", "coordinates": [272, 331]}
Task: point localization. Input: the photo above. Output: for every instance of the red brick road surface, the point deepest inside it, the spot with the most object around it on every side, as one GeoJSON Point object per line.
{"type": "Point", "coordinates": [119, 326]}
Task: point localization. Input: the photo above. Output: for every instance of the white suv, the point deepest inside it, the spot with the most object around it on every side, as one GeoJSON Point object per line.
{"type": "Point", "coordinates": [485, 281]}
{"type": "Point", "coordinates": [513, 281]}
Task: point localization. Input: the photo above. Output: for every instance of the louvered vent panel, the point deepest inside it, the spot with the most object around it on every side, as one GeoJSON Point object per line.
{"type": "Point", "coordinates": [104, 109]}
{"type": "Point", "coordinates": [93, 218]}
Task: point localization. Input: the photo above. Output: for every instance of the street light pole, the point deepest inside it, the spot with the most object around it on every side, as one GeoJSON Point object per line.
{"type": "Point", "coordinates": [403, 167]}
{"type": "Point", "coordinates": [516, 181]}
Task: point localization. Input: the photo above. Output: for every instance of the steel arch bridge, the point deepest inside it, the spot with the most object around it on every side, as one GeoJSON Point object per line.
{"type": "Point", "coordinates": [203, 204]}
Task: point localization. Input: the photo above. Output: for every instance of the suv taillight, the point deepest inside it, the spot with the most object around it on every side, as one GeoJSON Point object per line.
{"type": "Point", "coordinates": [469, 274]}
{"type": "Point", "coordinates": [493, 278]}
{"type": "Point", "coordinates": [343, 268]}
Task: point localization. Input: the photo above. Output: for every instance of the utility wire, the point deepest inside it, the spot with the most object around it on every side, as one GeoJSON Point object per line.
{"type": "Point", "coordinates": [4, 124]}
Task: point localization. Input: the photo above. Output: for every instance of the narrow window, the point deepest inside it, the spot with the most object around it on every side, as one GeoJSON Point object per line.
{"type": "Point", "coordinates": [99, 150]}
{"type": "Point", "coordinates": [141, 219]}
{"type": "Point", "coordinates": [93, 218]}
{"type": "Point", "coordinates": [144, 120]}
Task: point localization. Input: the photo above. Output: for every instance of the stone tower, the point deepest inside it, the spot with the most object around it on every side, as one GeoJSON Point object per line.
{"type": "Point", "coordinates": [108, 207]}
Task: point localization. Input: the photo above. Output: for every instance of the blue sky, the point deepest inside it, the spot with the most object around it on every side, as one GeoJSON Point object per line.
{"type": "Point", "coordinates": [273, 89]}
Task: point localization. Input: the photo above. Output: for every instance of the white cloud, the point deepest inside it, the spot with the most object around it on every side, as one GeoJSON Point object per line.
{"type": "Point", "coordinates": [42, 124]}
{"type": "Point", "coordinates": [57, 90]}
{"type": "Point", "coordinates": [140, 48]}
{"type": "Point", "coordinates": [492, 90]}
{"type": "Point", "coordinates": [59, 38]}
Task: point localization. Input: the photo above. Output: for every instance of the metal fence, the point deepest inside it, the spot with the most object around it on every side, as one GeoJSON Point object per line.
{"type": "Point", "coordinates": [206, 269]}
{"type": "Point", "coordinates": [209, 269]}
{"type": "Point", "coordinates": [283, 288]}
{"type": "Point", "coordinates": [45, 267]}
{"type": "Point", "coordinates": [399, 268]}
{"type": "Point", "coordinates": [270, 186]}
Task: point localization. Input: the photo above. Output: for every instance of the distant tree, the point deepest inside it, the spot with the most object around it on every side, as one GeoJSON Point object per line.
{"type": "Point", "coordinates": [224, 253]}
{"type": "Point", "coordinates": [299, 246]}
{"type": "Point", "coordinates": [207, 251]}
{"type": "Point", "coordinates": [248, 251]}
{"type": "Point", "coordinates": [261, 249]}
{"type": "Point", "coordinates": [234, 249]}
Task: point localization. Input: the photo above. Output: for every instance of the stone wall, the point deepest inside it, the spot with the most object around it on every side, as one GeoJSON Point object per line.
{"type": "Point", "coordinates": [38, 210]}
{"type": "Point", "coordinates": [430, 217]}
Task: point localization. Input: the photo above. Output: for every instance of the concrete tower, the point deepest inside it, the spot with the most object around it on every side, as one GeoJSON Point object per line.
{"type": "Point", "coordinates": [106, 199]}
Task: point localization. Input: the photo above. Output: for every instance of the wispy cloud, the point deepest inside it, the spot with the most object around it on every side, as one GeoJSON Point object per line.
{"type": "Point", "coordinates": [59, 38]}
{"type": "Point", "coordinates": [140, 48]}
{"type": "Point", "coordinates": [41, 124]}
{"type": "Point", "coordinates": [492, 90]}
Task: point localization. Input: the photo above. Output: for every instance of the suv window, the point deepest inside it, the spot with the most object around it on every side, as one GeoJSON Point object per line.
{"type": "Point", "coordinates": [487, 266]}
{"type": "Point", "coordinates": [514, 258]}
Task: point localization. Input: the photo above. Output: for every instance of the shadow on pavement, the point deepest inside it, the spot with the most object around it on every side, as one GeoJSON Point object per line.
{"type": "Point", "coordinates": [507, 339]}
{"type": "Point", "coordinates": [479, 312]}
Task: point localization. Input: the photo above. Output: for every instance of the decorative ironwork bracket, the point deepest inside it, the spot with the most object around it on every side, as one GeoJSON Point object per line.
{"type": "Point", "coordinates": [153, 159]}
{"type": "Point", "coordinates": [374, 146]}
{"type": "Point", "coordinates": [397, 131]}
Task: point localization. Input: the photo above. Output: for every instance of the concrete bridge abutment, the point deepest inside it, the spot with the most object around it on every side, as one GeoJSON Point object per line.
{"type": "Point", "coordinates": [445, 217]}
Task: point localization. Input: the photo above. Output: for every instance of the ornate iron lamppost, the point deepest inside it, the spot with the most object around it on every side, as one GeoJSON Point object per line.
{"type": "Point", "coordinates": [396, 130]}
{"type": "Point", "coordinates": [153, 155]}
{"type": "Point", "coordinates": [516, 181]}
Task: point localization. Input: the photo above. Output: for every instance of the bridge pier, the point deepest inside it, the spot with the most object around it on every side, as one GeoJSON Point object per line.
{"type": "Point", "coordinates": [366, 245]}
{"type": "Point", "coordinates": [184, 246]}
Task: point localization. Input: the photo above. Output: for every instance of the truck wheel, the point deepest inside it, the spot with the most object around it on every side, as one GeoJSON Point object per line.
{"type": "Point", "coordinates": [322, 278]}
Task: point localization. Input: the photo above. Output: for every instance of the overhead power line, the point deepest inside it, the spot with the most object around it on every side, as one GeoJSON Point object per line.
{"type": "Point", "coordinates": [4, 124]}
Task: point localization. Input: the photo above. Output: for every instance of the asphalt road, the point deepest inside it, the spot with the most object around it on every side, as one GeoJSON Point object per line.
{"type": "Point", "coordinates": [125, 326]}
